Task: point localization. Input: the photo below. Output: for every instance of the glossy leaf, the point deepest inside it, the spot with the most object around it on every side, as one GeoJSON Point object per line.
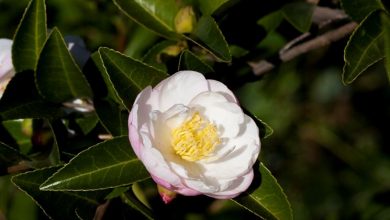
{"type": "Point", "coordinates": [58, 77]}
{"type": "Point", "coordinates": [299, 15]}
{"type": "Point", "coordinates": [364, 48]}
{"type": "Point", "coordinates": [57, 205]}
{"type": "Point", "coordinates": [208, 35]}
{"type": "Point", "coordinates": [106, 165]}
{"type": "Point", "coordinates": [128, 76]}
{"type": "Point", "coordinates": [158, 16]}
{"type": "Point", "coordinates": [189, 61]}
{"type": "Point", "coordinates": [359, 9]}
{"type": "Point", "coordinates": [112, 117]}
{"type": "Point", "coordinates": [268, 200]}
{"type": "Point", "coordinates": [154, 57]}
{"type": "Point", "coordinates": [209, 7]}
{"type": "Point", "coordinates": [19, 103]}
{"type": "Point", "coordinates": [30, 36]}
{"type": "Point", "coordinates": [386, 28]}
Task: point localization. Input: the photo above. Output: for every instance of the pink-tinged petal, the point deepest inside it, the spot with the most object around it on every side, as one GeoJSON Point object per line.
{"type": "Point", "coordinates": [166, 195]}
{"type": "Point", "coordinates": [6, 66]}
{"type": "Point", "coordinates": [180, 88]}
{"type": "Point", "coordinates": [216, 86]}
{"type": "Point", "coordinates": [237, 186]}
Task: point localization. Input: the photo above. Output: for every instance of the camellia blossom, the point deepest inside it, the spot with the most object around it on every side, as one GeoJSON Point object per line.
{"type": "Point", "coordinates": [6, 67]}
{"type": "Point", "coordinates": [193, 137]}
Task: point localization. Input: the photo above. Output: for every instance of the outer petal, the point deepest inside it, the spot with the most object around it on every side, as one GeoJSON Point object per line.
{"type": "Point", "coordinates": [180, 88]}
{"type": "Point", "coordinates": [216, 86]}
{"type": "Point", "coordinates": [237, 186]}
{"type": "Point", "coordinates": [6, 66]}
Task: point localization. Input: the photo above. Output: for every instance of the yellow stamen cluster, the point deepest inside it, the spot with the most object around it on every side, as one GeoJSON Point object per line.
{"type": "Point", "coordinates": [195, 138]}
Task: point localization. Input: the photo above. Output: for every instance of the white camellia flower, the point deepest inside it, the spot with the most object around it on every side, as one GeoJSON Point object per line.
{"type": "Point", "coordinates": [193, 137]}
{"type": "Point", "coordinates": [6, 67]}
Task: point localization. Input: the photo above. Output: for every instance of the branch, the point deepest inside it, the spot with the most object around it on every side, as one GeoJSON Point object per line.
{"type": "Point", "coordinates": [322, 17]}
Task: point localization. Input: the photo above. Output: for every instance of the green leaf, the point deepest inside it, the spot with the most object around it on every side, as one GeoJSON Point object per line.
{"type": "Point", "coordinates": [112, 117]}
{"type": "Point", "coordinates": [54, 156]}
{"type": "Point", "coordinates": [359, 9]}
{"type": "Point", "coordinates": [58, 77]}
{"type": "Point", "coordinates": [140, 39]}
{"type": "Point", "coordinates": [154, 57]}
{"type": "Point", "coordinates": [57, 205]}
{"type": "Point", "coordinates": [268, 201]}
{"type": "Point", "coordinates": [131, 199]}
{"type": "Point", "coordinates": [8, 157]}
{"type": "Point", "coordinates": [264, 129]}
{"type": "Point", "coordinates": [30, 36]}
{"type": "Point", "coordinates": [271, 21]}
{"type": "Point", "coordinates": [157, 16]}
{"type": "Point", "coordinates": [208, 35]}
{"type": "Point", "coordinates": [128, 76]}
{"type": "Point", "coordinates": [106, 165]}
{"type": "Point", "coordinates": [364, 47]}
{"type": "Point", "coordinates": [189, 61]}
{"type": "Point", "coordinates": [209, 7]}
{"type": "Point", "coordinates": [386, 28]}
{"type": "Point", "coordinates": [299, 15]}
{"type": "Point", "coordinates": [87, 123]}
{"type": "Point", "coordinates": [18, 103]}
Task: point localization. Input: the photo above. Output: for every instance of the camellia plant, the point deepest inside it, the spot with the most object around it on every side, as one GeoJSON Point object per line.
{"type": "Point", "coordinates": [84, 132]}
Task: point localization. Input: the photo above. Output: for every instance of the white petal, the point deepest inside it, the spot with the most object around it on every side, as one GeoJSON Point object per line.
{"type": "Point", "coordinates": [180, 88]}
{"type": "Point", "coordinates": [241, 159]}
{"type": "Point", "coordinates": [216, 86]}
{"type": "Point", "coordinates": [227, 116]}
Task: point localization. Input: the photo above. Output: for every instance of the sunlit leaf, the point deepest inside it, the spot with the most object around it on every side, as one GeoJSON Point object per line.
{"type": "Point", "coordinates": [189, 61]}
{"type": "Point", "coordinates": [364, 48]}
{"type": "Point", "coordinates": [158, 16]}
{"type": "Point", "coordinates": [299, 15]}
{"type": "Point", "coordinates": [208, 35]}
{"type": "Point", "coordinates": [18, 103]}
{"type": "Point", "coordinates": [128, 76]}
{"type": "Point", "coordinates": [267, 200]}
{"type": "Point", "coordinates": [359, 9]}
{"type": "Point", "coordinates": [105, 165]}
{"type": "Point", "coordinates": [58, 76]}
{"type": "Point", "coordinates": [112, 117]}
{"type": "Point", "coordinates": [30, 36]}
{"type": "Point", "coordinates": [57, 205]}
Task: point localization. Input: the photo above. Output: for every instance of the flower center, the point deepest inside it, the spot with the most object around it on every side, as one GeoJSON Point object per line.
{"type": "Point", "coordinates": [195, 138]}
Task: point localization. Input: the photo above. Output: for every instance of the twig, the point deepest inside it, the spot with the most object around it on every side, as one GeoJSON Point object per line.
{"type": "Point", "coordinates": [263, 66]}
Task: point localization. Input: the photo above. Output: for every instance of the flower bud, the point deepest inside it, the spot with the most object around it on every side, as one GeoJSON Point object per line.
{"type": "Point", "coordinates": [185, 20]}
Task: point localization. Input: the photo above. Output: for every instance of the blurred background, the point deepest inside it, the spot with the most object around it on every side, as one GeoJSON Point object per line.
{"type": "Point", "coordinates": [329, 150]}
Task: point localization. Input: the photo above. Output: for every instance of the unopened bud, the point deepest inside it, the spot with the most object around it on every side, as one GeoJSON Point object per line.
{"type": "Point", "coordinates": [166, 195]}
{"type": "Point", "coordinates": [185, 20]}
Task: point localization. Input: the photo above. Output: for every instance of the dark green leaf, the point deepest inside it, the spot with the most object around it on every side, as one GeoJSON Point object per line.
{"type": "Point", "coordinates": [112, 117]}
{"type": "Point", "coordinates": [208, 35]}
{"type": "Point", "coordinates": [359, 9]}
{"type": "Point", "coordinates": [208, 7]}
{"type": "Point", "coordinates": [264, 129]}
{"type": "Point", "coordinates": [8, 157]}
{"type": "Point", "coordinates": [140, 39]}
{"type": "Point", "coordinates": [87, 123]}
{"type": "Point", "coordinates": [271, 21]}
{"type": "Point", "coordinates": [54, 156]}
{"type": "Point", "coordinates": [105, 165]}
{"type": "Point", "coordinates": [268, 200]}
{"type": "Point", "coordinates": [58, 77]}
{"type": "Point", "coordinates": [130, 198]}
{"type": "Point", "coordinates": [128, 76]}
{"type": "Point", "coordinates": [189, 61]}
{"type": "Point", "coordinates": [386, 28]}
{"type": "Point", "coordinates": [30, 36]}
{"type": "Point", "coordinates": [57, 205]}
{"type": "Point", "coordinates": [158, 16]}
{"type": "Point", "coordinates": [154, 57]}
{"type": "Point", "coordinates": [21, 100]}
{"type": "Point", "coordinates": [299, 15]}
{"type": "Point", "coordinates": [364, 48]}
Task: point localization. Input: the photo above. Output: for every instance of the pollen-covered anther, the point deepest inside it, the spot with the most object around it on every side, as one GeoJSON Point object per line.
{"type": "Point", "coordinates": [195, 139]}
